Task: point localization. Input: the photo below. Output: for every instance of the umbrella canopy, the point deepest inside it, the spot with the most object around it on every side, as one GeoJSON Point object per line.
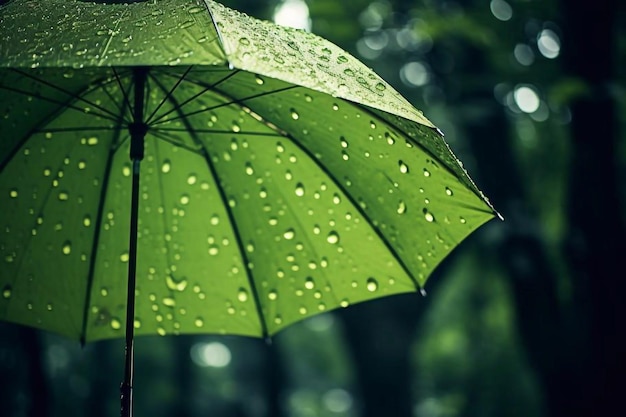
{"type": "Point", "coordinates": [282, 177]}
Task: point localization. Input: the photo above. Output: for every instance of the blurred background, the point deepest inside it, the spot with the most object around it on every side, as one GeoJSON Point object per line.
{"type": "Point", "coordinates": [526, 318]}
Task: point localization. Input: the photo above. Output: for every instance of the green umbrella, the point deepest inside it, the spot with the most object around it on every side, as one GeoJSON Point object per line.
{"type": "Point", "coordinates": [280, 177]}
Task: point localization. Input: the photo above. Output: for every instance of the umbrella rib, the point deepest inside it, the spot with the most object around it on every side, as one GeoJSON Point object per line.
{"type": "Point", "coordinates": [96, 238]}
{"type": "Point", "coordinates": [125, 94]}
{"type": "Point", "coordinates": [111, 115]}
{"type": "Point", "coordinates": [189, 100]}
{"type": "Point", "coordinates": [107, 115]}
{"type": "Point", "coordinates": [168, 94]}
{"type": "Point", "coordinates": [233, 101]}
{"type": "Point", "coordinates": [231, 218]}
{"type": "Point", "coordinates": [356, 205]}
{"type": "Point", "coordinates": [465, 178]}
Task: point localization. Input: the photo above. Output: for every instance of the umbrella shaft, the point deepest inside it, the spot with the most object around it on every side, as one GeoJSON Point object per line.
{"type": "Point", "coordinates": [138, 130]}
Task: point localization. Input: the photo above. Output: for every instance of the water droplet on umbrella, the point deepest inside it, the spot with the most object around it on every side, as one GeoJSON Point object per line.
{"type": "Point", "coordinates": [137, 323]}
{"type": "Point", "coordinates": [7, 291]}
{"type": "Point", "coordinates": [299, 189]}
{"type": "Point", "coordinates": [333, 237]}
{"type": "Point", "coordinates": [272, 295]}
{"type": "Point", "coordinates": [184, 199]}
{"type": "Point", "coordinates": [372, 284]}
{"type": "Point", "coordinates": [169, 302]}
{"type": "Point", "coordinates": [198, 322]}
{"type": "Point", "coordinates": [92, 141]}
{"type": "Point", "coordinates": [191, 179]}
{"type": "Point", "coordinates": [249, 169]}
{"type": "Point", "coordinates": [259, 80]}
{"type": "Point", "coordinates": [67, 248]}
{"type": "Point", "coordinates": [289, 234]}
{"type": "Point", "coordinates": [344, 303]}
{"type": "Point", "coordinates": [116, 324]}
{"type": "Point", "coordinates": [428, 216]}
{"type": "Point", "coordinates": [294, 114]}
{"type": "Point", "coordinates": [336, 198]}
{"type": "Point", "coordinates": [104, 291]}
{"type": "Point", "coordinates": [13, 193]}
{"type": "Point", "coordinates": [426, 173]}
{"type": "Point", "coordinates": [401, 207]}
{"type": "Point", "coordinates": [449, 191]}
{"type": "Point", "coordinates": [63, 196]}
{"type": "Point", "coordinates": [176, 284]}
{"type": "Point", "coordinates": [404, 168]}
{"type": "Point", "coordinates": [215, 220]}
{"type": "Point", "coordinates": [462, 220]}
{"type": "Point", "coordinates": [242, 295]}
{"type": "Point", "coordinates": [161, 331]}
{"type": "Point", "coordinates": [278, 319]}
{"type": "Point", "coordinates": [213, 250]}
{"type": "Point", "coordinates": [309, 283]}
{"type": "Point", "coordinates": [244, 41]}
{"type": "Point", "coordinates": [302, 310]}
{"type": "Point", "coordinates": [380, 87]}
{"type": "Point", "coordinates": [166, 167]}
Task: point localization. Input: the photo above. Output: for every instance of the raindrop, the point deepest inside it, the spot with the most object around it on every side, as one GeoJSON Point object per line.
{"type": "Point", "coordinates": [259, 80]}
{"type": "Point", "coordinates": [124, 257]}
{"type": "Point", "coordinates": [309, 283]}
{"type": "Point", "coordinates": [380, 87]}
{"type": "Point", "coordinates": [116, 324]}
{"type": "Point", "coordinates": [13, 193]}
{"type": "Point", "coordinates": [372, 284]}
{"type": "Point", "coordinates": [428, 215]}
{"type": "Point", "coordinates": [242, 295]}
{"type": "Point", "coordinates": [344, 303]}
{"type": "Point", "coordinates": [272, 295]}
{"type": "Point", "coordinates": [67, 248]}
{"type": "Point", "coordinates": [336, 199]}
{"type": "Point", "coordinates": [404, 168]}
{"type": "Point", "coordinates": [198, 322]}
{"type": "Point", "coordinates": [426, 173]}
{"type": "Point", "coordinates": [166, 167]}
{"type": "Point", "coordinates": [344, 142]}
{"type": "Point", "coordinates": [215, 220]}
{"type": "Point", "coordinates": [401, 207]}
{"type": "Point", "coordinates": [332, 238]}
{"type": "Point", "coordinates": [449, 191]}
{"type": "Point", "coordinates": [302, 310]}
{"type": "Point", "coordinates": [289, 234]}
{"type": "Point", "coordinates": [249, 169]}
{"type": "Point", "coordinates": [462, 220]}
{"type": "Point", "coordinates": [244, 41]}
{"type": "Point", "coordinates": [63, 196]}
{"type": "Point", "coordinates": [92, 141]}
{"type": "Point", "coordinates": [169, 302]}
{"type": "Point", "coordinates": [184, 199]}
{"type": "Point", "coordinates": [294, 114]}
{"type": "Point", "coordinates": [174, 284]}
{"type": "Point", "coordinates": [191, 179]}
{"type": "Point", "coordinates": [213, 250]}
{"type": "Point", "coordinates": [299, 189]}
{"type": "Point", "coordinates": [7, 291]}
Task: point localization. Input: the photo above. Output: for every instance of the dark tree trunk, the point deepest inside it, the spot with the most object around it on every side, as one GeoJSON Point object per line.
{"type": "Point", "coordinates": [380, 334]}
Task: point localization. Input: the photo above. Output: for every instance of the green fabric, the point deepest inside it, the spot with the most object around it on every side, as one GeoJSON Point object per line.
{"type": "Point", "coordinates": [276, 183]}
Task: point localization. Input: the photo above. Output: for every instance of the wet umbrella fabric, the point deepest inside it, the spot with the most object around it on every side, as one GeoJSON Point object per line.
{"type": "Point", "coordinates": [280, 177]}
